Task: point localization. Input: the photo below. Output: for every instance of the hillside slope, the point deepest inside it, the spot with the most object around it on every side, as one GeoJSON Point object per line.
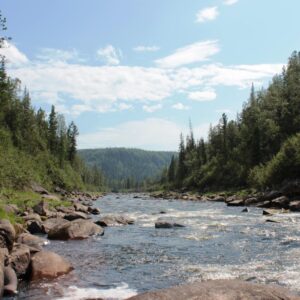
{"type": "Point", "coordinates": [121, 165]}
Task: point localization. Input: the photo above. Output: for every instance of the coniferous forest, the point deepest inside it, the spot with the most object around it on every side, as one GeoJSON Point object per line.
{"type": "Point", "coordinates": [260, 149]}
{"type": "Point", "coordinates": [35, 147]}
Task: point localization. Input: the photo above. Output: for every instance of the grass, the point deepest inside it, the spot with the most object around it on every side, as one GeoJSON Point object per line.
{"type": "Point", "coordinates": [24, 200]}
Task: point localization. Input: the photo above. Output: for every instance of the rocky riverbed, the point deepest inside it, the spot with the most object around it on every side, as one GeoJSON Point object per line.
{"type": "Point", "coordinates": [149, 243]}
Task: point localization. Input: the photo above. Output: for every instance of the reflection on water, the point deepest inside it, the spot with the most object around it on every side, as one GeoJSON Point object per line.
{"type": "Point", "coordinates": [217, 242]}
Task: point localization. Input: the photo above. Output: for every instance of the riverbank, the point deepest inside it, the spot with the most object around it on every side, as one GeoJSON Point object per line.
{"type": "Point", "coordinates": [28, 218]}
{"type": "Point", "coordinates": [287, 197]}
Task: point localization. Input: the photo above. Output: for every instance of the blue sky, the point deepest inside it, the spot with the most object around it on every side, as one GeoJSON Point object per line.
{"type": "Point", "coordinates": [132, 72]}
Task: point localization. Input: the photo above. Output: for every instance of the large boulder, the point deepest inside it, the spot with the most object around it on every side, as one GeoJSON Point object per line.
{"type": "Point", "coordinates": [10, 281]}
{"type": "Point", "coordinates": [75, 230]}
{"type": "Point", "coordinates": [7, 235]}
{"type": "Point", "coordinates": [42, 208]}
{"type": "Point", "coordinates": [53, 222]}
{"type": "Point", "coordinates": [3, 258]}
{"type": "Point", "coordinates": [47, 264]}
{"type": "Point", "coordinates": [39, 189]}
{"type": "Point", "coordinates": [219, 290]}
{"type": "Point", "coordinates": [81, 208]}
{"type": "Point", "coordinates": [20, 259]}
{"type": "Point", "coordinates": [34, 242]}
{"type": "Point", "coordinates": [76, 215]}
{"type": "Point", "coordinates": [94, 210]}
{"type": "Point", "coordinates": [237, 202]}
{"type": "Point", "coordinates": [280, 202]}
{"type": "Point", "coordinates": [294, 205]}
{"type": "Point", "coordinates": [35, 227]}
{"type": "Point", "coordinates": [291, 188]}
{"type": "Point", "coordinates": [116, 220]}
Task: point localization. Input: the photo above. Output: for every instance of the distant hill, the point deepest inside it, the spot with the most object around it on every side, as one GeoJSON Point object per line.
{"type": "Point", "coordinates": [121, 164]}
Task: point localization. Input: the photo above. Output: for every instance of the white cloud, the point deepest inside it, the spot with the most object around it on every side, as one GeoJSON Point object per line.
{"type": "Point", "coordinates": [13, 55]}
{"type": "Point", "coordinates": [52, 54]}
{"type": "Point", "coordinates": [230, 2]}
{"type": "Point", "coordinates": [207, 14]}
{"type": "Point", "coordinates": [105, 88]}
{"type": "Point", "coordinates": [110, 55]}
{"type": "Point", "coordinates": [180, 106]}
{"type": "Point", "coordinates": [146, 48]}
{"type": "Point", "coordinates": [124, 106]}
{"type": "Point", "coordinates": [152, 108]}
{"type": "Point", "coordinates": [201, 96]}
{"type": "Point", "coordinates": [151, 134]}
{"type": "Point", "coordinates": [197, 52]}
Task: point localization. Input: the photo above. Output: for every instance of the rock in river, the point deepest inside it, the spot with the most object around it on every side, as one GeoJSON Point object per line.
{"type": "Point", "coordinates": [46, 264]}
{"type": "Point", "coordinates": [219, 290]}
{"type": "Point", "coordinates": [114, 221]}
{"type": "Point", "coordinates": [166, 223]}
{"type": "Point", "coordinates": [75, 230]}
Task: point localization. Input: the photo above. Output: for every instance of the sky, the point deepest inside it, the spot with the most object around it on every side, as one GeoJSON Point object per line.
{"type": "Point", "coordinates": [132, 73]}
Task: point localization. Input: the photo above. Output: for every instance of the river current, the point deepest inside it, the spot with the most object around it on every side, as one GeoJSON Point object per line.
{"type": "Point", "coordinates": [217, 242]}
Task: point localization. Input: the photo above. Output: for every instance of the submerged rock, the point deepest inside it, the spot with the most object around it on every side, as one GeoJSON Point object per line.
{"type": "Point", "coordinates": [164, 223]}
{"type": "Point", "coordinates": [75, 230]}
{"type": "Point", "coordinates": [219, 290]}
{"type": "Point", "coordinates": [47, 264]}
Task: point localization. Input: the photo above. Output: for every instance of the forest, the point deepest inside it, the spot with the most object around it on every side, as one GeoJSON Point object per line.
{"type": "Point", "coordinates": [125, 168]}
{"type": "Point", "coordinates": [259, 149]}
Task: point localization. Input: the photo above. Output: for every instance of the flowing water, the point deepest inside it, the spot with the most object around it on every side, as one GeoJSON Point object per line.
{"type": "Point", "coordinates": [217, 242]}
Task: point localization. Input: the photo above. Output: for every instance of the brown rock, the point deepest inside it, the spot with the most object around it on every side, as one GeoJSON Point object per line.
{"type": "Point", "coordinates": [35, 227]}
{"type": "Point", "coordinates": [75, 215]}
{"type": "Point", "coordinates": [39, 189]}
{"type": "Point", "coordinates": [114, 221]}
{"type": "Point", "coordinates": [94, 210]}
{"type": "Point", "coordinates": [75, 230]}
{"type": "Point", "coordinates": [46, 264]}
{"type": "Point", "coordinates": [31, 217]}
{"type": "Point", "coordinates": [10, 281]}
{"type": "Point", "coordinates": [238, 202]}
{"type": "Point", "coordinates": [7, 235]}
{"type": "Point", "coordinates": [20, 259]}
{"type": "Point", "coordinates": [280, 202]}
{"type": "Point", "coordinates": [219, 290]}
{"type": "Point", "coordinates": [52, 222]}
{"type": "Point", "coordinates": [294, 205]}
{"type": "Point", "coordinates": [32, 241]}
{"type": "Point", "coordinates": [11, 209]}
{"type": "Point", "coordinates": [81, 208]}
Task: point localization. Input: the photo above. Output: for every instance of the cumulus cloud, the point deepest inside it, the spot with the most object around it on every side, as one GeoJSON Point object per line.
{"type": "Point", "coordinates": [230, 2]}
{"type": "Point", "coordinates": [207, 14]}
{"type": "Point", "coordinates": [80, 88]}
{"type": "Point", "coordinates": [180, 106]}
{"type": "Point", "coordinates": [152, 108]}
{"type": "Point", "coordinates": [197, 52]}
{"type": "Point", "coordinates": [201, 96]}
{"type": "Point", "coordinates": [150, 133]}
{"type": "Point", "coordinates": [13, 55]}
{"type": "Point", "coordinates": [110, 55]}
{"type": "Point", "coordinates": [145, 48]}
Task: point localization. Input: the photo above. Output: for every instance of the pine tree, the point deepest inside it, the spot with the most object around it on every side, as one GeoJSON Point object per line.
{"type": "Point", "coordinates": [72, 141]}
{"type": "Point", "coordinates": [52, 133]}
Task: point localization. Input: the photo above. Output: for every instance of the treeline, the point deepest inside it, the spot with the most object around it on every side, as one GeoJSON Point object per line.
{"type": "Point", "coordinates": [37, 147]}
{"type": "Point", "coordinates": [261, 148]}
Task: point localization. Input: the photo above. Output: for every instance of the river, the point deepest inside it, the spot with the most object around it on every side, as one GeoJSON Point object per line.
{"type": "Point", "coordinates": [217, 242]}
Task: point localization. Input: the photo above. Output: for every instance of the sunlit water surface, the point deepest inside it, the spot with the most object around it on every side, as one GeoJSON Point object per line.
{"type": "Point", "coordinates": [218, 242]}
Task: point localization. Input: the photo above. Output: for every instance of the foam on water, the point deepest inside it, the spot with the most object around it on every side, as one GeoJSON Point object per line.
{"type": "Point", "coordinates": [118, 293]}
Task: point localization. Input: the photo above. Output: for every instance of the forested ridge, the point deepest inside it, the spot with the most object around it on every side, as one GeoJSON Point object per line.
{"type": "Point", "coordinates": [126, 168]}
{"type": "Point", "coordinates": [35, 147]}
{"type": "Point", "coordinates": [260, 149]}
